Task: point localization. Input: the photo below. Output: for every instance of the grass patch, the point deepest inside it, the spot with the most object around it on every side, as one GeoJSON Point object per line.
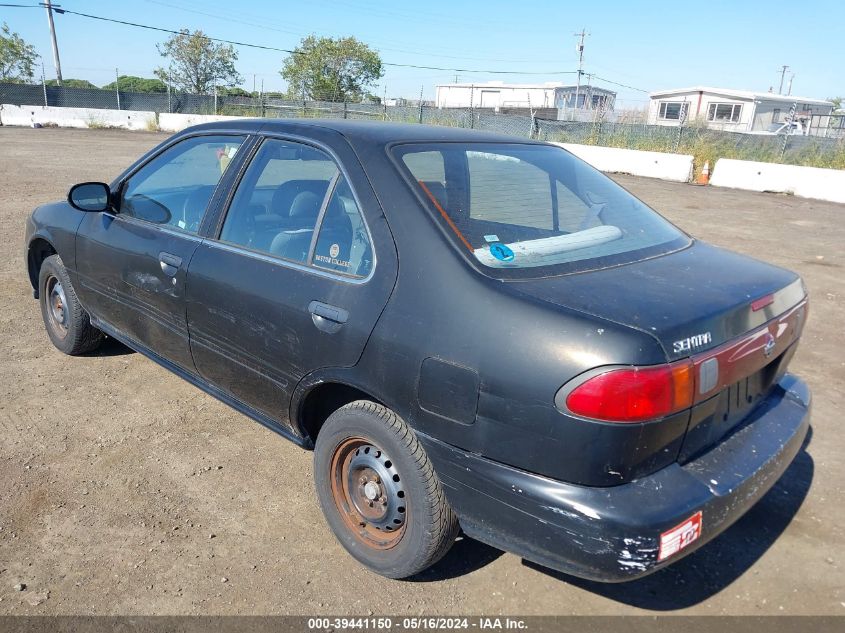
{"type": "Point", "coordinates": [706, 145]}
{"type": "Point", "coordinates": [152, 124]}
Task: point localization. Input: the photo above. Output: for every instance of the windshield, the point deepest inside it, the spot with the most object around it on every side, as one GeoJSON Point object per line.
{"type": "Point", "coordinates": [534, 210]}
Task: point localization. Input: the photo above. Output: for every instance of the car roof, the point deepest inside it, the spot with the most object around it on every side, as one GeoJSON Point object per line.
{"type": "Point", "coordinates": [367, 132]}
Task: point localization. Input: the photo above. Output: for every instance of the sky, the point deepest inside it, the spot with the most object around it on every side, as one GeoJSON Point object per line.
{"type": "Point", "coordinates": [646, 46]}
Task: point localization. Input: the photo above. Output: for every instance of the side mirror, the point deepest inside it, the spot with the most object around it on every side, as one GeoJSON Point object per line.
{"type": "Point", "coordinates": [90, 196]}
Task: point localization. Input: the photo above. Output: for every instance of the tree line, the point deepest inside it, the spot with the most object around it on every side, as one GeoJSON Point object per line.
{"type": "Point", "coordinates": [320, 68]}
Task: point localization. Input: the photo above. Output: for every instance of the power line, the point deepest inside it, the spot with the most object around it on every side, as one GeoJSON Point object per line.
{"type": "Point", "coordinates": [296, 52]}
{"type": "Point", "coordinates": [389, 47]}
{"type": "Point", "coordinates": [615, 83]}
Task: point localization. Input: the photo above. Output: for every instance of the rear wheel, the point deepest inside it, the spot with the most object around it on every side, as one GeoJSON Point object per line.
{"type": "Point", "coordinates": [379, 492]}
{"type": "Point", "coordinates": [67, 323]}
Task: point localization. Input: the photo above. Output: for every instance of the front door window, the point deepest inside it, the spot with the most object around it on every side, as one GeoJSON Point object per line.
{"type": "Point", "coordinates": [175, 187]}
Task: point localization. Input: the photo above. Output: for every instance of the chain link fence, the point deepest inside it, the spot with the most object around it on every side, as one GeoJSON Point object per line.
{"type": "Point", "coordinates": [707, 145]}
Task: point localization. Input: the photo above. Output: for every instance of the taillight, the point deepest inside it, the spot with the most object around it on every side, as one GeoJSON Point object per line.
{"type": "Point", "coordinates": [634, 394]}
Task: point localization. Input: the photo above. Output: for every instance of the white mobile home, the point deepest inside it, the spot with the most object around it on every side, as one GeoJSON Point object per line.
{"type": "Point", "coordinates": [498, 95]}
{"type": "Point", "coordinates": [733, 110]}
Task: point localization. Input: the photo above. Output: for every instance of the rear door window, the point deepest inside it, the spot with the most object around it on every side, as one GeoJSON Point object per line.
{"type": "Point", "coordinates": [343, 244]}
{"type": "Point", "coordinates": [277, 204]}
{"type": "Point", "coordinates": [294, 203]}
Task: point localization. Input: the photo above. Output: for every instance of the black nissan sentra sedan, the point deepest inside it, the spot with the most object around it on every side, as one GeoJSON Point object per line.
{"type": "Point", "coordinates": [471, 331]}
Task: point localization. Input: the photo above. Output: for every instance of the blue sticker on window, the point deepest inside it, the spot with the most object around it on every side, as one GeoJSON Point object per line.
{"type": "Point", "coordinates": [501, 252]}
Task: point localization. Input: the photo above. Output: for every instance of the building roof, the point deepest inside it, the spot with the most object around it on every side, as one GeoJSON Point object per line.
{"type": "Point", "coordinates": [740, 94]}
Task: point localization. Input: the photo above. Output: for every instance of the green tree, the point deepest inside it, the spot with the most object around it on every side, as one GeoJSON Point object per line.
{"type": "Point", "coordinates": [72, 83]}
{"type": "Point", "coordinates": [197, 63]}
{"type": "Point", "coordinates": [131, 83]}
{"type": "Point", "coordinates": [17, 58]}
{"type": "Point", "coordinates": [331, 69]}
{"type": "Point", "coordinates": [837, 102]}
{"type": "Point", "coordinates": [235, 92]}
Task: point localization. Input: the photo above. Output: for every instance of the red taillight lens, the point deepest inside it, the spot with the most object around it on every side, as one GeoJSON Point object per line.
{"type": "Point", "coordinates": [634, 394]}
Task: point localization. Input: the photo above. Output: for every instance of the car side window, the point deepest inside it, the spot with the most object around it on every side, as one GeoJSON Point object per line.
{"type": "Point", "coordinates": [343, 244]}
{"type": "Point", "coordinates": [175, 187]}
{"type": "Point", "coordinates": [277, 204]}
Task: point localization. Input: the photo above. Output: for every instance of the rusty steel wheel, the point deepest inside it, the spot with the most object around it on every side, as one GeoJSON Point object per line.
{"type": "Point", "coordinates": [57, 312]}
{"type": "Point", "coordinates": [379, 492]}
{"type": "Point", "coordinates": [66, 322]}
{"type": "Point", "coordinates": [367, 489]}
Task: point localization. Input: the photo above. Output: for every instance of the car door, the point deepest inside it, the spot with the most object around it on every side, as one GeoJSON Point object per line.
{"type": "Point", "coordinates": [296, 278]}
{"type": "Point", "coordinates": [132, 264]}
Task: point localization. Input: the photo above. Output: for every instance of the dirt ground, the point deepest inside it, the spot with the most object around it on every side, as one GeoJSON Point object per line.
{"type": "Point", "coordinates": [126, 490]}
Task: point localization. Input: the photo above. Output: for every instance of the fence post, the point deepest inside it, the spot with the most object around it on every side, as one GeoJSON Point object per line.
{"type": "Point", "coordinates": [789, 120]}
{"type": "Point", "coordinates": [600, 113]}
{"type": "Point", "coordinates": [682, 117]}
{"type": "Point", "coordinates": [261, 100]}
{"type": "Point", "coordinates": [117, 87]}
{"type": "Point", "coordinates": [344, 110]}
{"type": "Point", "coordinates": [531, 113]}
{"type": "Point", "coordinates": [421, 105]}
{"type": "Point", "coordinates": [43, 84]}
{"type": "Point", "coordinates": [472, 106]}
{"type": "Point", "coordinates": [215, 99]}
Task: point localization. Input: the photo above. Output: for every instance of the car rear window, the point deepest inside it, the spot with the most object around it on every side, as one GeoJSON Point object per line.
{"type": "Point", "coordinates": [525, 210]}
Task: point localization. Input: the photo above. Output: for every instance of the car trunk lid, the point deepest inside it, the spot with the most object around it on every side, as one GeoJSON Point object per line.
{"type": "Point", "coordinates": [737, 320]}
{"type": "Point", "coordinates": [691, 300]}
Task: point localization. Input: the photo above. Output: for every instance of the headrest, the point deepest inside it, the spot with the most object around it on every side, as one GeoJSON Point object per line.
{"type": "Point", "coordinates": [306, 204]}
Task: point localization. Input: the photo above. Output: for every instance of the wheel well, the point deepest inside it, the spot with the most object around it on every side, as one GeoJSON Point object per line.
{"type": "Point", "coordinates": [322, 401]}
{"type": "Point", "coordinates": [39, 250]}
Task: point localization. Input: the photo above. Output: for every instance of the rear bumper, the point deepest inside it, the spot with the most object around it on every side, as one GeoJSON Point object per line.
{"type": "Point", "coordinates": [613, 534]}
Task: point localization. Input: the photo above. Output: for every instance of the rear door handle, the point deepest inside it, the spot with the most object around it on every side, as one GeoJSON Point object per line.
{"type": "Point", "coordinates": [327, 317]}
{"type": "Point", "coordinates": [169, 263]}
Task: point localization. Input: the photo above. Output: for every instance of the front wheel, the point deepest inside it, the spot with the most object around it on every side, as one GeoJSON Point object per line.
{"type": "Point", "coordinates": [379, 492]}
{"type": "Point", "coordinates": [67, 323]}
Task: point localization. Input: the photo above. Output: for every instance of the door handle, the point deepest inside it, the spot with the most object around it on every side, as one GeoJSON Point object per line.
{"type": "Point", "coordinates": [327, 317]}
{"type": "Point", "coordinates": [169, 263]}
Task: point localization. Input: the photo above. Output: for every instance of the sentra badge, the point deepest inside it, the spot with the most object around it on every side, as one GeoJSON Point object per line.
{"type": "Point", "coordinates": [692, 342]}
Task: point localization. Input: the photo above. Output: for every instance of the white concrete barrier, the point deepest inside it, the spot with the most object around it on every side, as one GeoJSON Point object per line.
{"type": "Point", "coordinates": [675, 167]}
{"type": "Point", "coordinates": [76, 117]}
{"type": "Point", "coordinates": [174, 122]}
{"type": "Point", "coordinates": [805, 182]}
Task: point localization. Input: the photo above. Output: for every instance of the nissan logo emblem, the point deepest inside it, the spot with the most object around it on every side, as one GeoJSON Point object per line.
{"type": "Point", "coordinates": [769, 346]}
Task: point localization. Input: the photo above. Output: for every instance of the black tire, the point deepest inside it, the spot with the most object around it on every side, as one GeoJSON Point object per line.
{"type": "Point", "coordinates": [428, 524]}
{"type": "Point", "coordinates": [68, 325]}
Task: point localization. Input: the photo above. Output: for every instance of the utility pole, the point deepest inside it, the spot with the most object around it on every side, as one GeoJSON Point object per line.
{"type": "Point", "coordinates": [49, 8]}
{"type": "Point", "coordinates": [580, 48]}
{"type": "Point", "coordinates": [782, 75]}
{"type": "Point", "coordinates": [789, 85]}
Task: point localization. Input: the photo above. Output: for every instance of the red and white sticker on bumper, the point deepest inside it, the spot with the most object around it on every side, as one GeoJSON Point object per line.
{"type": "Point", "coordinates": [681, 536]}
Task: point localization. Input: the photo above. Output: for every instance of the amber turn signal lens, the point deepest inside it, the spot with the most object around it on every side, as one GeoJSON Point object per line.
{"type": "Point", "coordinates": [634, 394]}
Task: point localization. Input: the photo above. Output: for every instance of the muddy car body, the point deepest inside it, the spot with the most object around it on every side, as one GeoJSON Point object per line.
{"type": "Point", "coordinates": [472, 331]}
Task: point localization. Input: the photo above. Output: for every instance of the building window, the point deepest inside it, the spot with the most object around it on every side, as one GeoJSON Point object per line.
{"type": "Point", "coordinates": [724, 112]}
{"type": "Point", "coordinates": [671, 110]}
{"type": "Point", "coordinates": [776, 115]}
